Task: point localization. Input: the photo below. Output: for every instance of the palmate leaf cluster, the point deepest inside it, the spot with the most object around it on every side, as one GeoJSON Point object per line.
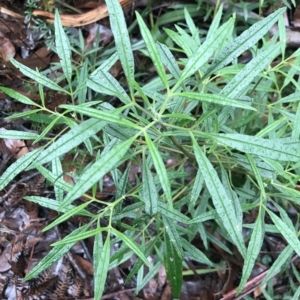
{"type": "Point", "coordinates": [203, 109]}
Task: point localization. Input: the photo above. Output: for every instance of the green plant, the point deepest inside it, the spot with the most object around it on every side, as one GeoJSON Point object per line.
{"type": "Point", "coordinates": [231, 122]}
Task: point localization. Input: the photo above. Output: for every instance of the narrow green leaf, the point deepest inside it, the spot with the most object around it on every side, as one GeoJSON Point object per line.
{"type": "Point", "coordinates": [46, 119]}
{"type": "Point", "coordinates": [97, 170]}
{"type": "Point", "coordinates": [173, 215]}
{"type": "Point", "coordinates": [121, 37]}
{"type": "Point", "coordinates": [98, 114]}
{"type": "Point", "coordinates": [150, 275]}
{"type": "Point", "coordinates": [70, 140]}
{"type": "Point", "coordinates": [288, 233]}
{"type": "Point", "coordinates": [253, 250]}
{"type": "Point", "coordinates": [106, 65]}
{"type": "Point", "coordinates": [67, 214]}
{"type": "Point", "coordinates": [139, 263]}
{"type": "Point", "coordinates": [17, 167]}
{"type": "Point", "coordinates": [284, 216]}
{"type": "Point", "coordinates": [57, 181]}
{"type": "Point", "coordinates": [180, 41]}
{"type": "Point", "coordinates": [54, 205]}
{"type": "Point", "coordinates": [245, 41]}
{"type": "Point", "coordinates": [160, 169]}
{"type": "Point", "coordinates": [152, 50]}
{"type": "Point", "coordinates": [63, 48]}
{"type": "Point", "coordinates": [216, 21]}
{"type": "Point", "coordinates": [178, 116]}
{"type": "Point", "coordinates": [190, 23]}
{"type": "Point", "coordinates": [131, 245]}
{"type": "Point", "coordinates": [195, 253]}
{"type": "Point", "coordinates": [122, 183]}
{"type": "Point", "coordinates": [47, 129]}
{"type": "Point", "coordinates": [271, 127]}
{"type": "Point", "coordinates": [173, 265]}
{"type": "Point", "coordinates": [257, 175]}
{"type": "Point", "coordinates": [80, 236]}
{"type": "Point", "coordinates": [101, 264]}
{"type": "Point", "coordinates": [222, 203]}
{"type": "Point", "coordinates": [17, 135]}
{"type": "Point", "coordinates": [296, 125]}
{"type": "Point", "coordinates": [150, 196]}
{"type": "Point", "coordinates": [206, 50]}
{"type": "Point", "coordinates": [23, 114]}
{"type": "Point", "coordinates": [169, 60]}
{"type": "Point", "coordinates": [173, 234]}
{"type": "Point", "coordinates": [57, 171]}
{"type": "Point", "coordinates": [213, 239]}
{"type": "Point", "coordinates": [55, 254]}
{"type": "Point", "coordinates": [197, 187]}
{"type": "Point", "coordinates": [210, 215]}
{"type": "Point", "coordinates": [277, 149]}
{"type": "Point", "coordinates": [81, 90]}
{"type": "Point", "coordinates": [106, 84]}
{"type": "Point", "coordinates": [215, 98]}
{"type": "Point", "coordinates": [283, 257]}
{"type": "Point", "coordinates": [36, 76]}
{"type": "Point", "coordinates": [19, 97]}
{"type": "Point", "coordinates": [232, 194]}
{"type": "Point", "coordinates": [242, 79]}
{"type": "Point", "coordinates": [282, 35]}
{"type": "Point", "coordinates": [141, 94]}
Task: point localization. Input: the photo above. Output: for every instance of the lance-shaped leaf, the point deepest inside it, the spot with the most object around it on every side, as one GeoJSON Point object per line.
{"type": "Point", "coordinates": [150, 196]}
{"type": "Point", "coordinates": [161, 170]}
{"type": "Point", "coordinates": [97, 170]}
{"type": "Point", "coordinates": [103, 115]}
{"type": "Point", "coordinates": [152, 50]}
{"type": "Point", "coordinates": [224, 205]}
{"type": "Point", "coordinates": [257, 175]}
{"type": "Point", "coordinates": [19, 97]}
{"type": "Point", "coordinates": [17, 135]}
{"type": "Point", "coordinates": [206, 50]}
{"type": "Point", "coordinates": [173, 264]}
{"type": "Point", "coordinates": [54, 205]}
{"type": "Point", "coordinates": [70, 140]}
{"type": "Point", "coordinates": [174, 215]}
{"type": "Point", "coordinates": [54, 255]}
{"type": "Point", "coordinates": [215, 98]}
{"type": "Point", "coordinates": [296, 125]}
{"type": "Point", "coordinates": [169, 60]}
{"type": "Point", "coordinates": [253, 250]}
{"type": "Point", "coordinates": [17, 167]}
{"type": "Point", "coordinates": [121, 37]}
{"type": "Point", "coordinates": [106, 84]}
{"type": "Point", "coordinates": [197, 187]}
{"type": "Point", "coordinates": [57, 181]}
{"type": "Point", "coordinates": [195, 253]}
{"type": "Point", "coordinates": [288, 233]}
{"type": "Point", "coordinates": [101, 264]}
{"type": "Point", "coordinates": [281, 260]}
{"type": "Point", "coordinates": [63, 48]}
{"type": "Point", "coordinates": [170, 226]}
{"type": "Point", "coordinates": [245, 41]}
{"type": "Point", "coordinates": [80, 236]}
{"type": "Point", "coordinates": [36, 76]}
{"type": "Point", "coordinates": [131, 245]}
{"type": "Point", "coordinates": [241, 81]}
{"type": "Point", "coordinates": [57, 171]}
{"type": "Point", "coordinates": [277, 149]}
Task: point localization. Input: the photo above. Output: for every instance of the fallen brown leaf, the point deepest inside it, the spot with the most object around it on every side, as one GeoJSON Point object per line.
{"type": "Point", "coordinates": [81, 19]}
